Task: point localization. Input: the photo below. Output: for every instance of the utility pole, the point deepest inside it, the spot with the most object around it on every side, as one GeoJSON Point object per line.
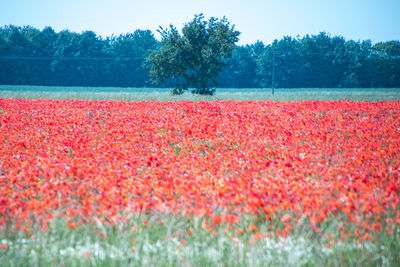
{"type": "Point", "coordinates": [273, 73]}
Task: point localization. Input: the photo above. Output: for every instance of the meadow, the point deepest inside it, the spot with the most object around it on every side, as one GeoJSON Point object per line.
{"type": "Point", "coordinates": [163, 94]}
{"type": "Point", "coordinates": [199, 183]}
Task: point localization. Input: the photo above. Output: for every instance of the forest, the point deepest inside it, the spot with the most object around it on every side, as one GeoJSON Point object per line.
{"type": "Point", "coordinates": [29, 56]}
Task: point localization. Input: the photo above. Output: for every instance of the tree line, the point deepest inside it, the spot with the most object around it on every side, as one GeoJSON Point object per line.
{"type": "Point", "coordinates": [45, 57]}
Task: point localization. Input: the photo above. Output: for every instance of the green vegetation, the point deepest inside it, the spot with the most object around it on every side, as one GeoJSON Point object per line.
{"type": "Point", "coordinates": [194, 58]}
{"type": "Point", "coordinates": [163, 94]}
{"type": "Point", "coordinates": [33, 57]}
{"type": "Point", "coordinates": [167, 240]}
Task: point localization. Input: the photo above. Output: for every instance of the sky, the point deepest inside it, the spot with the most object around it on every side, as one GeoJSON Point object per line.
{"type": "Point", "coordinates": [263, 20]}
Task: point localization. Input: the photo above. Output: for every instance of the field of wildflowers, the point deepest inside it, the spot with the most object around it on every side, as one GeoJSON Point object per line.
{"type": "Point", "coordinates": [240, 172]}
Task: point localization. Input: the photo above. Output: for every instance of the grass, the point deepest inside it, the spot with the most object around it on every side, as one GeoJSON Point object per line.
{"type": "Point", "coordinates": [165, 241]}
{"type": "Point", "coordinates": [163, 94]}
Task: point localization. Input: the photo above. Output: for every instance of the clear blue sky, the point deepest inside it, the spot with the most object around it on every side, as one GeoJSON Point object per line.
{"type": "Point", "coordinates": [264, 20]}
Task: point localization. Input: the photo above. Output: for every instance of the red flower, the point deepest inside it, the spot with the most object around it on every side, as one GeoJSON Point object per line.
{"type": "Point", "coordinates": [314, 160]}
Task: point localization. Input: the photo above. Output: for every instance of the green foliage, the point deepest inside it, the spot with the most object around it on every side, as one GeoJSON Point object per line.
{"type": "Point", "coordinates": [162, 94]}
{"type": "Point", "coordinates": [240, 71]}
{"type": "Point", "coordinates": [166, 241]}
{"type": "Point", "coordinates": [30, 56]}
{"type": "Point", "coordinates": [195, 57]}
{"type": "Point", "coordinates": [130, 51]}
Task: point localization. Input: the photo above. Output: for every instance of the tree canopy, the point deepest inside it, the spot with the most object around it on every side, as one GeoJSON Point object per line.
{"type": "Point", "coordinates": [45, 57]}
{"type": "Point", "coordinates": [195, 57]}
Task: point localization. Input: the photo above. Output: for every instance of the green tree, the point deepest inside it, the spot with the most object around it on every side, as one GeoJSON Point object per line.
{"type": "Point", "coordinates": [42, 46]}
{"type": "Point", "coordinates": [75, 58]}
{"type": "Point", "coordinates": [16, 45]}
{"type": "Point", "coordinates": [130, 51]}
{"type": "Point", "coordinates": [288, 59]}
{"type": "Point", "coordinates": [240, 71]}
{"type": "Point", "coordinates": [386, 61]}
{"type": "Point", "coordinates": [195, 57]}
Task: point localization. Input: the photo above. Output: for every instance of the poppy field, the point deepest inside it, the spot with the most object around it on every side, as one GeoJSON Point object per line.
{"type": "Point", "coordinates": [222, 173]}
